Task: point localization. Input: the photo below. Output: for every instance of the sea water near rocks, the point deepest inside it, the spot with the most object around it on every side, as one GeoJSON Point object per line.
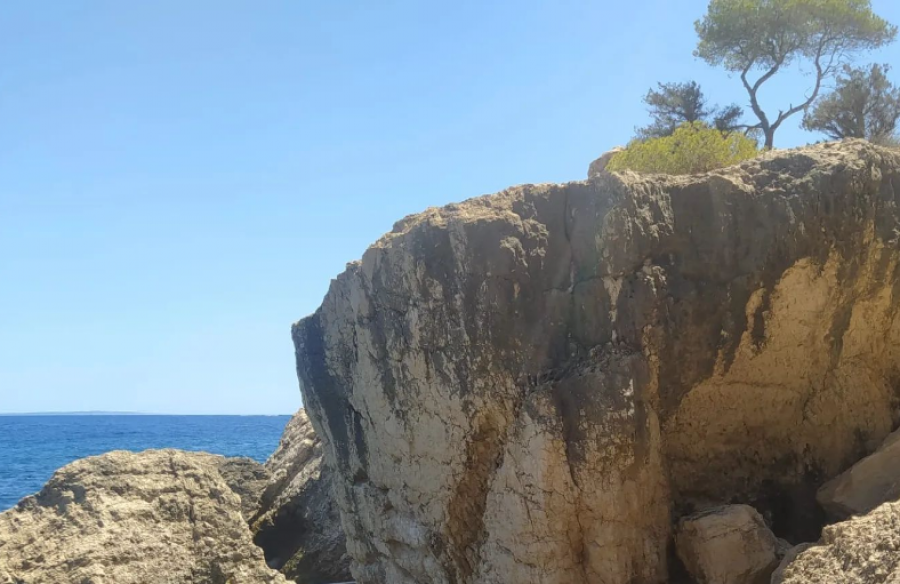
{"type": "Point", "coordinates": [33, 447]}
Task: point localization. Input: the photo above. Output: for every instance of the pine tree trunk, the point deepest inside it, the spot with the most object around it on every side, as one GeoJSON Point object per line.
{"type": "Point", "coordinates": [770, 138]}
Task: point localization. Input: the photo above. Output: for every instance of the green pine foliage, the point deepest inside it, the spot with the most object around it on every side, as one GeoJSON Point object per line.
{"type": "Point", "coordinates": [864, 104]}
{"type": "Point", "coordinates": [758, 39]}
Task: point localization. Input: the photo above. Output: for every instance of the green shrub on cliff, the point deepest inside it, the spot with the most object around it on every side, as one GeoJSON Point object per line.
{"type": "Point", "coordinates": [692, 148]}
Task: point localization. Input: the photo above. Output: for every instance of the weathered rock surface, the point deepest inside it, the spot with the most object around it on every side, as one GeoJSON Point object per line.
{"type": "Point", "coordinates": [598, 166]}
{"type": "Point", "coordinates": [869, 483]}
{"type": "Point", "coordinates": [165, 517]}
{"type": "Point", "coordinates": [788, 558]}
{"type": "Point", "coordinates": [525, 387]}
{"type": "Point", "coordinates": [863, 550]}
{"type": "Point", "coordinates": [248, 479]}
{"type": "Point", "coordinates": [727, 545]}
{"type": "Point", "coordinates": [298, 523]}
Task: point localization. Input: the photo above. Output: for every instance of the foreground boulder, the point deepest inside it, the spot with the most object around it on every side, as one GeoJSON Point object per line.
{"type": "Point", "coordinates": [297, 522]}
{"type": "Point", "coordinates": [790, 555]}
{"type": "Point", "coordinates": [869, 483]}
{"type": "Point", "coordinates": [158, 517]}
{"type": "Point", "coordinates": [863, 550]}
{"type": "Point", "coordinates": [526, 387]}
{"type": "Point", "coordinates": [727, 545]}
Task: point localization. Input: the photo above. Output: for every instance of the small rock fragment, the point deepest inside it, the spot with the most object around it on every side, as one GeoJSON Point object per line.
{"type": "Point", "coordinates": [598, 166]}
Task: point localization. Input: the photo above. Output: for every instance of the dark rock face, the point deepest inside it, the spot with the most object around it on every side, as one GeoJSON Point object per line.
{"type": "Point", "coordinates": [247, 478]}
{"type": "Point", "coordinates": [297, 522]}
{"type": "Point", "coordinates": [526, 387]}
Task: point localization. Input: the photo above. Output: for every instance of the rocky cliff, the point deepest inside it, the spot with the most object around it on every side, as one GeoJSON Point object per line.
{"type": "Point", "coordinates": [158, 517]}
{"type": "Point", "coordinates": [535, 386]}
{"type": "Point", "coordinates": [297, 521]}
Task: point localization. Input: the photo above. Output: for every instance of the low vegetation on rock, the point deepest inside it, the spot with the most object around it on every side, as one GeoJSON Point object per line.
{"type": "Point", "coordinates": [691, 148]}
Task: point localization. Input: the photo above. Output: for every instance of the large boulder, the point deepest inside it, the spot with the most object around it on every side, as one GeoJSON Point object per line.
{"type": "Point", "coordinates": [730, 544]}
{"type": "Point", "coordinates": [867, 484]}
{"type": "Point", "coordinates": [298, 523]}
{"type": "Point", "coordinates": [525, 387]}
{"type": "Point", "coordinates": [158, 517]}
{"type": "Point", "coordinates": [863, 550]}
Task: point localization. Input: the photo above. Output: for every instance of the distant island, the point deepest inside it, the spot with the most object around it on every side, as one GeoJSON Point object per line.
{"type": "Point", "coordinates": [88, 413]}
{"type": "Point", "coordinates": [104, 413]}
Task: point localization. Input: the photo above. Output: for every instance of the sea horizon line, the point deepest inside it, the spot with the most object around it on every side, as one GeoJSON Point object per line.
{"type": "Point", "coordinates": [126, 413]}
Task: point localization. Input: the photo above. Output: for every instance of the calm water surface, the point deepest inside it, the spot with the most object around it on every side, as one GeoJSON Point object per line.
{"type": "Point", "coordinates": [32, 447]}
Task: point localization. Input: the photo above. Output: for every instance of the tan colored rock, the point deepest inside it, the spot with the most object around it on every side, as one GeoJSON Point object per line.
{"type": "Point", "coordinates": [5, 578]}
{"type": "Point", "coordinates": [727, 545]}
{"type": "Point", "coordinates": [869, 483]}
{"type": "Point", "coordinates": [298, 523]}
{"type": "Point", "coordinates": [598, 166]}
{"type": "Point", "coordinates": [863, 550]}
{"type": "Point", "coordinates": [158, 517]}
{"type": "Point", "coordinates": [786, 560]}
{"type": "Point", "coordinates": [524, 386]}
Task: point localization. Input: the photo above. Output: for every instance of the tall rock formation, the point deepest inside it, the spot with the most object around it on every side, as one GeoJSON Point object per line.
{"type": "Point", "coordinates": [297, 522]}
{"type": "Point", "coordinates": [157, 517]}
{"type": "Point", "coordinates": [529, 386]}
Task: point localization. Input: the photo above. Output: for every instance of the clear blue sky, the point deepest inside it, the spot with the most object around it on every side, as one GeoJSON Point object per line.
{"type": "Point", "coordinates": [179, 181]}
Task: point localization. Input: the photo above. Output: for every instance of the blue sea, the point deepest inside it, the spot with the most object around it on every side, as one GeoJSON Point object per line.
{"type": "Point", "coordinates": [33, 447]}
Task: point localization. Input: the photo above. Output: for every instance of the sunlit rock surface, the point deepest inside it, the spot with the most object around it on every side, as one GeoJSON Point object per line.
{"type": "Point", "coordinates": [157, 517]}
{"type": "Point", "coordinates": [530, 386]}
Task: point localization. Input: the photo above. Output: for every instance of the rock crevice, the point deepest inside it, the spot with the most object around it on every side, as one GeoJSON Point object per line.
{"type": "Point", "coordinates": [296, 520]}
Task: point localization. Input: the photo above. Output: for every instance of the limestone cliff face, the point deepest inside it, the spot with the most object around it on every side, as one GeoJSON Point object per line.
{"type": "Point", "coordinates": [530, 386]}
